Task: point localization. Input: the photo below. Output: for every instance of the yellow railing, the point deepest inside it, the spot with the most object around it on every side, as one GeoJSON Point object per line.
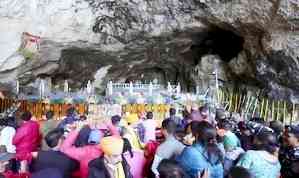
{"type": "Point", "coordinates": [5, 104]}
{"type": "Point", "coordinates": [38, 109]}
{"type": "Point", "coordinates": [266, 108]}
{"type": "Point", "coordinates": [139, 108]}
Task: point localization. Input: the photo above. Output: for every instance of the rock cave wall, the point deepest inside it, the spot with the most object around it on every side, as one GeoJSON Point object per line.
{"type": "Point", "coordinates": [252, 43]}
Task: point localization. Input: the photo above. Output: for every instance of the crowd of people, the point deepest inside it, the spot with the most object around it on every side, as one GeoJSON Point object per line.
{"type": "Point", "coordinates": [132, 146]}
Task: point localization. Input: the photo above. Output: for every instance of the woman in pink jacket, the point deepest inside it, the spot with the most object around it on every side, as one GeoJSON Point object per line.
{"type": "Point", "coordinates": [85, 153]}
{"type": "Point", "coordinates": [27, 138]}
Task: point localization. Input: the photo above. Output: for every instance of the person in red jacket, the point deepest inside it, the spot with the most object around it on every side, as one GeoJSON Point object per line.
{"type": "Point", "coordinates": [27, 137]}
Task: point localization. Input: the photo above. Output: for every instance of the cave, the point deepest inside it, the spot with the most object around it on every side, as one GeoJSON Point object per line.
{"type": "Point", "coordinates": [78, 65]}
{"type": "Point", "coordinates": [145, 75]}
{"type": "Point", "coordinates": [224, 43]}
{"type": "Point", "coordinates": [160, 59]}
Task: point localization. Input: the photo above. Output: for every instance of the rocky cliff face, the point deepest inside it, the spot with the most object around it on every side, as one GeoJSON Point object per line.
{"type": "Point", "coordinates": [253, 43]}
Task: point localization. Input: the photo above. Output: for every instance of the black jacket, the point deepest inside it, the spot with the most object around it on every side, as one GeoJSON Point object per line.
{"type": "Point", "coordinates": [54, 159]}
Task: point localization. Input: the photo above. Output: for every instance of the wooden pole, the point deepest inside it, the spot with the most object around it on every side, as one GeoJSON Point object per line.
{"type": "Point", "coordinates": [225, 100]}
{"type": "Point", "coordinates": [272, 110]}
{"type": "Point", "coordinates": [242, 100]}
{"type": "Point", "coordinates": [236, 102]}
{"type": "Point", "coordinates": [230, 101]}
{"type": "Point", "coordinates": [5, 104]}
{"type": "Point", "coordinates": [246, 103]}
{"type": "Point", "coordinates": [293, 113]}
{"type": "Point", "coordinates": [262, 108]}
{"type": "Point", "coordinates": [249, 105]}
{"type": "Point", "coordinates": [266, 110]}
{"type": "Point", "coordinates": [220, 96]}
{"type": "Point", "coordinates": [223, 96]}
{"type": "Point", "coordinates": [217, 84]}
{"type": "Point", "coordinates": [255, 105]}
{"type": "Point", "coordinates": [278, 109]}
{"type": "Point", "coordinates": [1, 100]}
{"type": "Point", "coordinates": [284, 111]}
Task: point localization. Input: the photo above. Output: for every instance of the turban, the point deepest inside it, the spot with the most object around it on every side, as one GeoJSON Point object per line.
{"type": "Point", "coordinates": [132, 118]}
{"type": "Point", "coordinates": [112, 145]}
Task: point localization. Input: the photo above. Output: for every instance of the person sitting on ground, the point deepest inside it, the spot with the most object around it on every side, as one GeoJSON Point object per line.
{"type": "Point", "coordinates": [239, 172]}
{"type": "Point", "coordinates": [170, 148]}
{"type": "Point", "coordinates": [84, 154]}
{"type": "Point", "coordinates": [111, 164]}
{"type": "Point", "coordinates": [262, 162]}
{"type": "Point", "coordinates": [204, 155]}
{"type": "Point", "coordinates": [54, 158]}
{"type": "Point", "coordinates": [27, 138]}
{"type": "Point", "coordinates": [69, 119]}
{"type": "Point", "coordinates": [290, 160]}
{"type": "Point", "coordinates": [7, 134]}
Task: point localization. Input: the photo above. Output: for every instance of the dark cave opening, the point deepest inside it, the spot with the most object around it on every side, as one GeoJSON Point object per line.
{"type": "Point", "coordinates": [224, 43]}
{"type": "Point", "coordinates": [78, 65]}
{"type": "Point", "coordinates": [145, 75]}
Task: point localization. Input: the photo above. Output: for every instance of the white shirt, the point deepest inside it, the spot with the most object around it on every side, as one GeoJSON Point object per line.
{"type": "Point", "coordinates": [150, 130]}
{"type": "Point", "coordinates": [6, 136]}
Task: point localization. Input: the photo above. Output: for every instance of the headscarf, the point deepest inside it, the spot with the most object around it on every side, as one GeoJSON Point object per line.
{"type": "Point", "coordinates": [132, 118]}
{"type": "Point", "coordinates": [112, 145]}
